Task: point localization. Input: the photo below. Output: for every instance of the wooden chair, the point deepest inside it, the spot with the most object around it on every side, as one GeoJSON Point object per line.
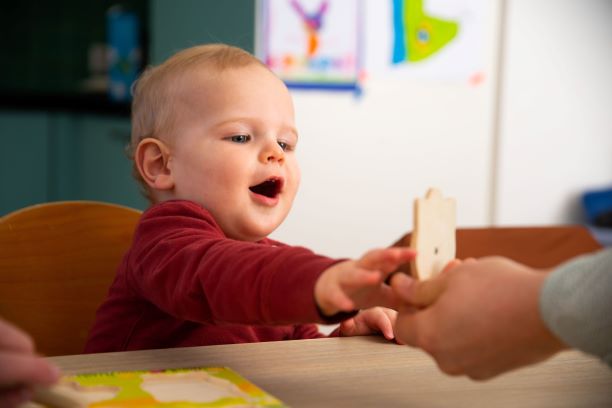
{"type": "Point", "coordinates": [57, 261]}
{"type": "Point", "coordinates": [538, 247]}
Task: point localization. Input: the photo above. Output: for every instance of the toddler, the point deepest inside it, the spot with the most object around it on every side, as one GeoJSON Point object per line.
{"type": "Point", "coordinates": [213, 144]}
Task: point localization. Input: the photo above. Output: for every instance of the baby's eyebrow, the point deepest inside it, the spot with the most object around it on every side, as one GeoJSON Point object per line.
{"type": "Point", "coordinates": [256, 122]}
{"type": "Point", "coordinates": [293, 130]}
{"type": "Point", "coordinates": [234, 121]}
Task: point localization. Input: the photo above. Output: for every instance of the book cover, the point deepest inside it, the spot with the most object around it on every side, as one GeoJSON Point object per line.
{"type": "Point", "coordinates": [176, 388]}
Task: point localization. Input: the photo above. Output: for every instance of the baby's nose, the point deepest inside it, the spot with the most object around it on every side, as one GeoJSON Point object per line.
{"type": "Point", "coordinates": [272, 152]}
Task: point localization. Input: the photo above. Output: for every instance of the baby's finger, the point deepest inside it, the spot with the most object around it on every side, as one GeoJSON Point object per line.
{"type": "Point", "coordinates": [387, 322]}
{"type": "Point", "coordinates": [348, 327]}
{"type": "Point", "coordinates": [386, 327]}
{"type": "Point", "coordinates": [360, 277]}
{"type": "Point", "coordinates": [395, 260]}
{"type": "Point", "coordinates": [387, 259]}
{"type": "Point", "coordinates": [371, 259]}
{"type": "Point", "coordinates": [376, 320]}
{"type": "Point", "coordinates": [397, 257]}
{"type": "Point", "coordinates": [391, 314]}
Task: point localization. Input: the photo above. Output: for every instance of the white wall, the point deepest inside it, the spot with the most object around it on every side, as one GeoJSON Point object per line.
{"type": "Point", "coordinates": [556, 100]}
{"type": "Point", "coordinates": [365, 159]}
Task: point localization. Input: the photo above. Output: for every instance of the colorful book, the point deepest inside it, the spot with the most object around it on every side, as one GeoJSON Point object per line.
{"type": "Point", "coordinates": [172, 388]}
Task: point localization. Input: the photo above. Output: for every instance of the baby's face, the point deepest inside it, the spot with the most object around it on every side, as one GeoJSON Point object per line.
{"type": "Point", "coordinates": [233, 150]}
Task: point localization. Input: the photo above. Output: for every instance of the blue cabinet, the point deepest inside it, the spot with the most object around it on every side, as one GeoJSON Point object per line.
{"type": "Point", "coordinates": [51, 156]}
{"type": "Point", "coordinates": [57, 154]}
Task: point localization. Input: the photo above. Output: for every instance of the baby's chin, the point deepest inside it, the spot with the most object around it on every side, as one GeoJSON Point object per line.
{"type": "Point", "coordinates": [251, 232]}
{"type": "Point", "coordinates": [249, 236]}
{"type": "Point", "coordinates": [251, 223]}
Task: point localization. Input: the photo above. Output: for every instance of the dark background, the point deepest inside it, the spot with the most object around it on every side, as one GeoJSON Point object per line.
{"type": "Point", "coordinates": [61, 142]}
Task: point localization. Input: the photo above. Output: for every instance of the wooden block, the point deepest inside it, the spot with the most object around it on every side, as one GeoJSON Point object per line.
{"type": "Point", "coordinates": [433, 235]}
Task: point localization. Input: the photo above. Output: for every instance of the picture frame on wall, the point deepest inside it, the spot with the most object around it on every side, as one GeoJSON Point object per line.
{"type": "Point", "coordinates": [312, 44]}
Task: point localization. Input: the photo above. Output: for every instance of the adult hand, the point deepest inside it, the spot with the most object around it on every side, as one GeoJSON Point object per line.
{"type": "Point", "coordinates": [360, 284]}
{"type": "Point", "coordinates": [20, 368]}
{"type": "Point", "coordinates": [478, 318]}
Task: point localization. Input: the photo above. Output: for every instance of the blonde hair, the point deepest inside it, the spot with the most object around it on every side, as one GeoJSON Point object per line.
{"type": "Point", "coordinates": [155, 92]}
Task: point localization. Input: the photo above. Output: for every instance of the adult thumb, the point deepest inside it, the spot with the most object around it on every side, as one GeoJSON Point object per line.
{"type": "Point", "coordinates": [418, 293]}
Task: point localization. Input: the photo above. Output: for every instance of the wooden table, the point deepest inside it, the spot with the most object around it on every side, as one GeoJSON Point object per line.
{"type": "Point", "coordinates": [371, 372]}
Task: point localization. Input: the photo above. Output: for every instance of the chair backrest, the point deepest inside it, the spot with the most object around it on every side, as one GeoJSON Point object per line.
{"type": "Point", "coordinates": [57, 261]}
{"type": "Point", "coordinates": [538, 247]}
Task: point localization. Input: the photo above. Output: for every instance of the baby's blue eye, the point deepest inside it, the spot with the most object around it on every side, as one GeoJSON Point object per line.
{"type": "Point", "coordinates": [240, 138]}
{"type": "Point", "coordinates": [285, 146]}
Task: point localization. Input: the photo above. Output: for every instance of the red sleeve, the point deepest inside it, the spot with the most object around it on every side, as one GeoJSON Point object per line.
{"type": "Point", "coordinates": [306, 331]}
{"type": "Point", "coordinates": [182, 262]}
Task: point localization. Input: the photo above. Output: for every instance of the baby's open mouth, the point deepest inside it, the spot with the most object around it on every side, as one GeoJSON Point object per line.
{"type": "Point", "coordinates": [269, 188]}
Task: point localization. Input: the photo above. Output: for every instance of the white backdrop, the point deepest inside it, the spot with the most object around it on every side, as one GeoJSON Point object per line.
{"type": "Point", "coordinates": [556, 139]}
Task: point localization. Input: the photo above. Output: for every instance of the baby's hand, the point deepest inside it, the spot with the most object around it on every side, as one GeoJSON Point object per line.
{"type": "Point", "coordinates": [360, 284]}
{"type": "Point", "coordinates": [369, 321]}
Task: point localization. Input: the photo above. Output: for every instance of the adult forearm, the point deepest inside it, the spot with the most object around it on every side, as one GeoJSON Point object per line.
{"type": "Point", "coordinates": [576, 303]}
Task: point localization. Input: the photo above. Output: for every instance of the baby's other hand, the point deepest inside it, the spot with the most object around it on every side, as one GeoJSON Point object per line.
{"type": "Point", "coordinates": [370, 321]}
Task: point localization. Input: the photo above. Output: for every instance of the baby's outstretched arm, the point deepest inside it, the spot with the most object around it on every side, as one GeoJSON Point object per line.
{"type": "Point", "coordinates": [360, 284]}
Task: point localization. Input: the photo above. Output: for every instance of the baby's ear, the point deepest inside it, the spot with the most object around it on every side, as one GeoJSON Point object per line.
{"type": "Point", "coordinates": [152, 157]}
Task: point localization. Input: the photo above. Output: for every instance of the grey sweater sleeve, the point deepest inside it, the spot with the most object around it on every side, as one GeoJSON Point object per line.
{"type": "Point", "coordinates": [576, 303]}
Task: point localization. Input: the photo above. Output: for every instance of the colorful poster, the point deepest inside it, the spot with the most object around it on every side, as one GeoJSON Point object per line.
{"type": "Point", "coordinates": [417, 35]}
{"type": "Point", "coordinates": [339, 44]}
{"type": "Point", "coordinates": [426, 39]}
{"type": "Point", "coordinates": [312, 43]}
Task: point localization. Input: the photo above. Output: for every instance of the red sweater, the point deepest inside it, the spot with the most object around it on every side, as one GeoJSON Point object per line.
{"type": "Point", "coordinates": [184, 283]}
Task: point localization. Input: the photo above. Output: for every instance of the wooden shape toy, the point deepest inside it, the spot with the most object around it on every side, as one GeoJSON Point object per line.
{"type": "Point", "coordinates": [433, 235]}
